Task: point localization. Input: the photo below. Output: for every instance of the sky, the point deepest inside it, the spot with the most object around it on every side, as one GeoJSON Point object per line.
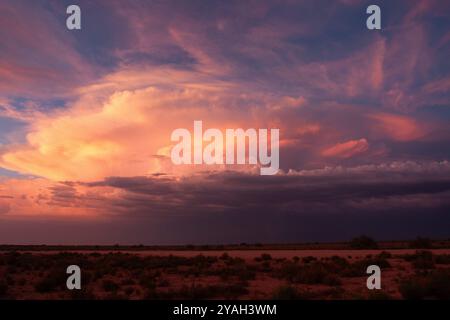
{"type": "Point", "coordinates": [86, 118]}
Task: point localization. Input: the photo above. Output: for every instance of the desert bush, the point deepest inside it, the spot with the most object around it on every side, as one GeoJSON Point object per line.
{"type": "Point", "coordinates": [196, 292]}
{"type": "Point", "coordinates": [163, 283]}
{"type": "Point", "coordinates": [3, 289]}
{"type": "Point", "coordinates": [311, 273]}
{"type": "Point", "coordinates": [243, 271]}
{"type": "Point", "coordinates": [434, 285]}
{"type": "Point", "coordinates": [234, 261]}
{"type": "Point", "coordinates": [385, 255]}
{"type": "Point", "coordinates": [309, 259]}
{"type": "Point", "coordinates": [287, 293]}
{"type": "Point", "coordinates": [82, 294]}
{"type": "Point", "coordinates": [266, 257]}
{"type": "Point", "coordinates": [442, 259]}
{"type": "Point", "coordinates": [265, 266]}
{"type": "Point", "coordinates": [21, 281]}
{"type": "Point", "coordinates": [379, 295]}
{"type": "Point", "coordinates": [233, 291]}
{"type": "Point", "coordinates": [338, 263]}
{"type": "Point", "coordinates": [332, 280]}
{"type": "Point", "coordinates": [109, 285]}
{"type": "Point", "coordinates": [359, 267]}
{"type": "Point", "coordinates": [147, 281]}
{"type": "Point", "coordinates": [413, 289]}
{"type": "Point", "coordinates": [224, 256]}
{"type": "Point", "coordinates": [363, 242]}
{"type": "Point", "coordinates": [421, 259]}
{"type": "Point", "coordinates": [127, 282]}
{"type": "Point", "coordinates": [115, 296]}
{"type": "Point", "coordinates": [53, 281]}
{"type": "Point", "coordinates": [246, 274]}
{"type": "Point", "coordinates": [10, 280]}
{"type": "Point", "coordinates": [47, 284]}
{"type": "Point", "coordinates": [421, 243]}
{"type": "Point", "coordinates": [263, 257]}
{"type": "Point", "coordinates": [128, 291]}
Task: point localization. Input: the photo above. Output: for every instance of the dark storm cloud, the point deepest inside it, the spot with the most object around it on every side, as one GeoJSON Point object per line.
{"type": "Point", "coordinates": [388, 201]}
{"type": "Point", "coordinates": [329, 190]}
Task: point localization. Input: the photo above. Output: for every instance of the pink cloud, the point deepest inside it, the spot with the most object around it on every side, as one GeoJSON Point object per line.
{"type": "Point", "coordinates": [347, 149]}
{"type": "Point", "coordinates": [396, 127]}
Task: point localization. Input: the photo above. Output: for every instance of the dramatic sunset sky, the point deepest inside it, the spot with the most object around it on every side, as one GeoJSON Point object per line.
{"type": "Point", "coordinates": [86, 118]}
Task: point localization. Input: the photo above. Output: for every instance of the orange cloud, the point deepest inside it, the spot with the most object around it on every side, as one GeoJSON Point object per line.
{"type": "Point", "coordinates": [347, 149]}
{"type": "Point", "coordinates": [111, 131]}
{"type": "Point", "coordinates": [40, 197]}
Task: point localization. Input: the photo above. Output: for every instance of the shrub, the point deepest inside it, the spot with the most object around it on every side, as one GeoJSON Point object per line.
{"type": "Point", "coordinates": [3, 289]}
{"type": "Point", "coordinates": [127, 282]}
{"type": "Point", "coordinates": [266, 257]}
{"type": "Point", "coordinates": [51, 282]}
{"type": "Point", "coordinates": [115, 296]}
{"type": "Point", "coordinates": [442, 259]}
{"type": "Point", "coordinates": [312, 273]}
{"type": "Point", "coordinates": [363, 242]}
{"type": "Point", "coordinates": [434, 285]}
{"type": "Point", "coordinates": [82, 295]}
{"type": "Point", "coordinates": [195, 292]}
{"type": "Point", "coordinates": [242, 271]}
{"type": "Point", "coordinates": [379, 295]}
{"type": "Point", "coordinates": [147, 281]}
{"type": "Point", "coordinates": [308, 259]}
{"type": "Point", "coordinates": [424, 260]}
{"type": "Point", "coordinates": [224, 256]}
{"type": "Point", "coordinates": [421, 259]}
{"type": "Point", "coordinates": [109, 285]}
{"type": "Point", "coordinates": [287, 293]}
{"type": "Point", "coordinates": [163, 283]}
{"type": "Point", "coordinates": [421, 243]}
{"type": "Point", "coordinates": [413, 290]}
{"type": "Point", "coordinates": [129, 291]}
{"type": "Point", "coordinates": [358, 268]}
{"type": "Point", "coordinates": [332, 280]}
{"type": "Point", "coordinates": [265, 267]}
{"type": "Point", "coordinates": [385, 255]}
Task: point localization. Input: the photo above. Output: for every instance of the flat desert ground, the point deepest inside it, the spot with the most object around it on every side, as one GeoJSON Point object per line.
{"type": "Point", "coordinates": [332, 274]}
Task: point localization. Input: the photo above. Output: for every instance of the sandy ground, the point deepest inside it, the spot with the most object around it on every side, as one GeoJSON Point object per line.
{"type": "Point", "coordinates": [22, 281]}
{"type": "Point", "coordinates": [251, 254]}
